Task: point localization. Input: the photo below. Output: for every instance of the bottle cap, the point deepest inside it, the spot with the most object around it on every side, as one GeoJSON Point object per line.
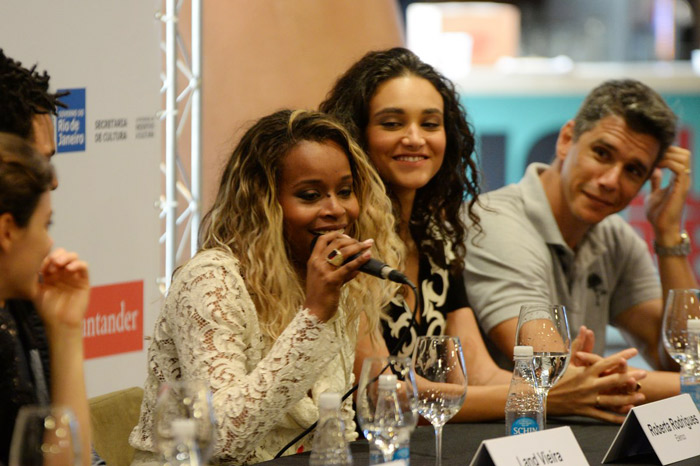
{"type": "Point", "coordinates": [184, 428]}
{"type": "Point", "coordinates": [387, 382]}
{"type": "Point", "coordinates": [694, 325]}
{"type": "Point", "coordinates": [522, 351]}
{"type": "Point", "coordinates": [329, 400]}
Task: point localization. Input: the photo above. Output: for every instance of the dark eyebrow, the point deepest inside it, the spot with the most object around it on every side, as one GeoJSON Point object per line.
{"type": "Point", "coordinates": [389, 110]}
{"type": "Point", "coordinates": [317, 182]}
{"type": "Point", "coordinates": [400, 111]}
{"type": "Point", "coordinates": [642, 166]}
{"type": "Point", "coordinates": [634, 160]}
{"type": "Point", "coordinates": [606, 145]}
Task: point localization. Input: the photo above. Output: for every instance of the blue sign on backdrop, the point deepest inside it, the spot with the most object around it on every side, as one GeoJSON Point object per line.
{"type": "Point", "coordinates": [70, 122]}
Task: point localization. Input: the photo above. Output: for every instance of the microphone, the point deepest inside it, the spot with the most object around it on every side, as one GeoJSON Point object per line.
{"type": "Point", "coordinates": [375, 268]}
{"type": "Point", "coordinates": [380, 270]}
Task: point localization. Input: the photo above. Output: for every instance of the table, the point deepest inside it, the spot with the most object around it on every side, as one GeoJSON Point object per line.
{"type": "Point", "coordinates": [460, 442]}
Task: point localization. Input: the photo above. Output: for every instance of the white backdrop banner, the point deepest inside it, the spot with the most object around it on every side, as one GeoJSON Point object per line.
{"type": "Point", "coordinates": [108, 140]}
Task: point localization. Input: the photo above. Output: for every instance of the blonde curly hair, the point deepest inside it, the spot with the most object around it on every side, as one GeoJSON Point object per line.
{"type": "Point", "coordinates": [246, 220]}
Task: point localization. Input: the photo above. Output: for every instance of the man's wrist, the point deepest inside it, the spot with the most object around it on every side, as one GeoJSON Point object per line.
{"type": "Point", "coordinates": [679, 247]}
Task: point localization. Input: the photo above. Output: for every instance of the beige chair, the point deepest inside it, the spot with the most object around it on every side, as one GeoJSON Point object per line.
{"type": "Point", "coordinates": [113, 416]}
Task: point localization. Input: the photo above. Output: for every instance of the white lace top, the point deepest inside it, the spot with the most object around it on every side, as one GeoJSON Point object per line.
{"type": "Point", "coordinates": [264, 392]}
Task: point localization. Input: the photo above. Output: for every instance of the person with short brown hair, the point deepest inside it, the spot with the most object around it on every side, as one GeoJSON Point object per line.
{"type": "Point", "coordinates": [555, 237]}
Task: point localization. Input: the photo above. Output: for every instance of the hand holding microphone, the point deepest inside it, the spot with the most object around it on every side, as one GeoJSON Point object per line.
{"type": "Point", "coordinates": [327, 269]}
{"type": "Point", "coordinates": [373, 267]}
{"type": "Point", "coordinates": [335, 259]}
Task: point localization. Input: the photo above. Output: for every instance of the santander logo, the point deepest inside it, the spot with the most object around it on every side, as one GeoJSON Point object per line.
{"type": "Point", "coordinates": [113, 323]}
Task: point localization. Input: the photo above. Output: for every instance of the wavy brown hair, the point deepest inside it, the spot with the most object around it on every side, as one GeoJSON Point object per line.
{"type": "Point", "coordinates": [435, 218]}
{"type": "Point", "coordinates": [246, 219]}
{"type": "Point", "coordinates": [24, 176]}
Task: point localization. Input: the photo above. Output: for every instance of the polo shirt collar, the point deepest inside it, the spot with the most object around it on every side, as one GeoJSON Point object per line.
{"type": "Point", "coordinates": [539, 212]}
{"type": "Point", "coordinates": [537, 207]}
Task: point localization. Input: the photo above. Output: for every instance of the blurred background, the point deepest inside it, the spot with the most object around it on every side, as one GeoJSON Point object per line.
{"type": "Point", "coordinates": [604, 30]}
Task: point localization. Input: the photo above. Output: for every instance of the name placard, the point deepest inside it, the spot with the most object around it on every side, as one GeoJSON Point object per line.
{"type": "Point", "coordinates": [552, 446]}
{"type": "Point", "coordinates": [668, 428]}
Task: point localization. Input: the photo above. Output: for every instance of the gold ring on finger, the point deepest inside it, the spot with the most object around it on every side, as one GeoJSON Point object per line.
{"type": "Point", "coordinates": [597, 401]}
{"type": "Point", "coordinates": [335, 258]}
{"type": "Point", "coordinates": [687, 171]}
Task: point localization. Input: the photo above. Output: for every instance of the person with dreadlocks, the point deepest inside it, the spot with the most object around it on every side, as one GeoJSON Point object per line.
{"type": "Point", "coordinates": [27, 105]}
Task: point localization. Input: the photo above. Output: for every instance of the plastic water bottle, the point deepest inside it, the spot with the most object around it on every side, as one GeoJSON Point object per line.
{"type": "Point", "coordinates": [690, 370]}
{"type": "Point", "coordinates": [329, 446]}
{"type": "Point", "coordinates": [186, 451]}
{"type": "Point", "coordinates": [388, 417]}
{"type": "Point", "coordinates": [387, 413]}
{"type": "Point", "coordinates": [524, 405]}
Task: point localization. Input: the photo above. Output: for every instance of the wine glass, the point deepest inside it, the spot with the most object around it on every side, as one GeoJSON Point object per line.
{"type": "Point", "coordinates": [45, 436]}
{"type": "Point", "coordinates": [681, 305]}
{"type": "Point", "coordinates": [184, 400]}
{"type": "Point", "coordinates": [546, 329]}
{"type": "Point", "coordinates": [387, 428]}
{"type": "Point", "coordinates": [442, 382]}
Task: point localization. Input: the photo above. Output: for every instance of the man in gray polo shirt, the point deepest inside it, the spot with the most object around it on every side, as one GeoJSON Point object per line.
{"type": "Point", "coordinates": [554, 237]}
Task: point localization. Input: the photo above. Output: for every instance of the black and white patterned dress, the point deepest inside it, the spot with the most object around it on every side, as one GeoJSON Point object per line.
{"type": "Point", "coordinates": [442, 293]}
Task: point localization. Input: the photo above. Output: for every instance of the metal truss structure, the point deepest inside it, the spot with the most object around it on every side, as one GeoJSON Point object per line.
{"type": "Point", "coordinates": [181, 106]}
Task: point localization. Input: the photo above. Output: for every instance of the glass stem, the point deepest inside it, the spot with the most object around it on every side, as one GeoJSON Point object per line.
{"type": "Point", "coordinates": [545, 392]}
{"type": "Point", "coordinates": [438, 445]}
{"type": "Point", "coordinates": [388, 454]}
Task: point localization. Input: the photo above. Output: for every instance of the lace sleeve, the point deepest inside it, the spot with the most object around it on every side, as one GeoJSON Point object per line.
{"type": "Point", "coordinates": [214, 326]}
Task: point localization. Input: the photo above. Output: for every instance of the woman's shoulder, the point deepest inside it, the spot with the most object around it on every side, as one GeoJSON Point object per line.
{"type": "Point", "coordinates": [212, 258]}
{"type": "Point", "coordinates": [210, 280]}
{"type": "Point", "coordinates": [209, 264]}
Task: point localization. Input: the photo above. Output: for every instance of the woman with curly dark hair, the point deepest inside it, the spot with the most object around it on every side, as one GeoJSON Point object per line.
{"type": "Point", "coordinates": [408, 119]}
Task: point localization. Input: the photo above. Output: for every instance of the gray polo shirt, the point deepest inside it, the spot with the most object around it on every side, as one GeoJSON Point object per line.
{"type": "Point", "coordinates": [522, 258]}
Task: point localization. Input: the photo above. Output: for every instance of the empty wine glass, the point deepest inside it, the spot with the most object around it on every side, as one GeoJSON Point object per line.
{"type": "Point", "coordinates": [681, 305]}
{"type": "Point", "coordinates": [442, 382]}
{"type": "Point", "coordinates": [387, 414]}
{"type": "Point", "coordinates": [546, 329]}
{"type": "Point", "coordinates": [190, 400]}
{"type": "Point", "coordinates": [45, 436]}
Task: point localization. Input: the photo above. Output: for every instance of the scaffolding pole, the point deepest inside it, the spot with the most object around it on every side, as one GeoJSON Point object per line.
{"type": "Point", "coordinates": [178, 108]}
